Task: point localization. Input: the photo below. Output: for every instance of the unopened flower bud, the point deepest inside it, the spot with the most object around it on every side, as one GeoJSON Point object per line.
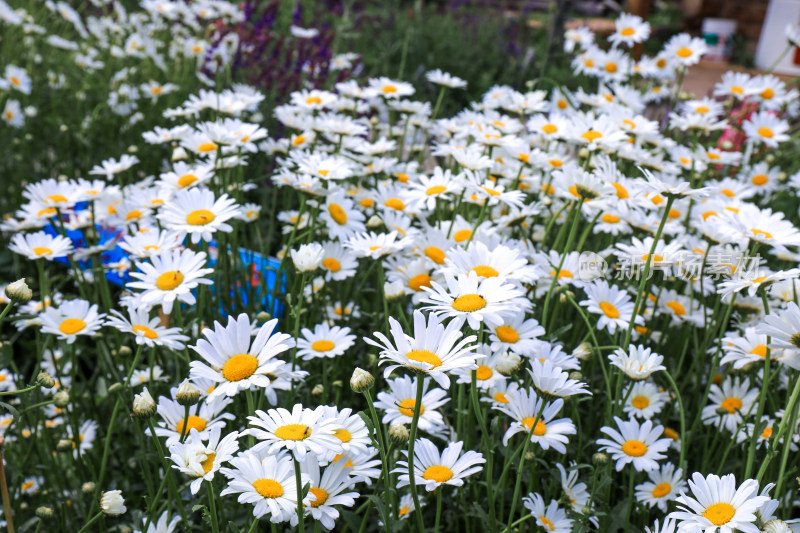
{"type": "Point", "coordinates": [65, 445]}
{"type": "Point", "coordinates": [88, 487]}
{"type": "Point", "coordinates": [45, 380]}
{"type": "Point", "coordinates": [125, 351]}
{"type": "Point", "coordinates": [308, 257]}
{"type": "Point", "coordinates": [317, 390]}
{"type": "Point", "coordinates": [179, 154]}
{"type": "Point", "coordinates": [132, 149]}
{"type": "Point", "coordinates": [44, 512]}
{"type": "Point", "coordinates": [361, 380]}
{"type": "Point", "coordinates": [727, 145]}
{"type": "Point", "coordinates": [115, 388]}
{"type": "Point", "coordinates": [399, 433]}
{"type": "Point", "coordinates": [776, 526]}
{"type": "Point", "coordinates": [538, 234]}
{"type": "Point", "coordinates": [583, 153]}
{"type": "Point", "coordinates": [721, 411]}
{"type": "Point", "coordinates": [576, 375]}
{"type": "Point", "coordinates": [394, 289]}
{"type": "Point", "coordinates": [373, 120]}
{"type": "Point", "coordinates": [19, 291]}
{"type": "Point", "coordinates": [583, 351]}
{"type": "Point", "coordinates": [263, 316]}
{"type": "Point", "coordinates": [374, 222]}
{"type": "Point", "coordinates": [508, 363]}
{"type": "Point", "coordinates": [187, 394]}
{"type": "Point", "coordinates": [769, 158]}
{"type": "Point", "coordinates": [61, 399]}
{"type": "Point", "coordinates": [599, 458]}
{"type": "Point", "coordinates": [337, 383]}
{"type": "Point", "coordinates": [112, 503]}
{"type": "Point", "coordinates": [143, 404]}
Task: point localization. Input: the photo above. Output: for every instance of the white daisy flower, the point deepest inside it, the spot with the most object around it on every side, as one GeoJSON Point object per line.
{"type": "Point", "coordinates": [400, 402]}
{"type": "Point", "coordinates": [40, 245]}
{"type": "Point", "coordinates": [551, 518]}
{"type": "Point", "coordinates": [196, 212]}
{"type": "Point", "coordinates": [146, 330]}
{"type": "Point", "coordinates": [70, 319]}
{"type": "Point", "coordinates": [203, 418]}
{"type": "Point", "coordinates": [644, 400]}
{"type": "Point", "coordinates": [612, 304]}
{"type": "Point", "coordinates": [516, 334]}
{"type": "Point", "coordinates": [729, 403]}
{"type": "Point", "coordinates": [638, 362]}
{"type": "Point", "coordinates": [327, 490]}
{"type": "Point", "coordinates": [324, 341]}
{"type": "Point", "coordinates": [524, 407]}
{"type": "Point", "coordinates": [663, 485]}
{"type": "Point", "coordinates": [433, 469]}
{"type": "Point", "coordinates": [639, 445]}
{"type": "Point", "coordinates": [267, 483]}
{"type": "Point", "coordinates": [171, 275]}
{"type": "Point", "coordinates": [201, 460]}
{"type": "Point", "coordinates": [300, 431]}
{"type": "Point", "coordinates": [552, 381]}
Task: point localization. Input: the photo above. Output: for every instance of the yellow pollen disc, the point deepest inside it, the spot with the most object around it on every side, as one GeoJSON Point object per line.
{"type": "Point", "coordinates": [608, 218]}
{"type": "Point", "coordinates": [631, 124]}
{"type": "Point", "coordinates": [323, 346]}
{"type": "Point", "coordinates": [507, 334]}
{"type": "Point", "coordinates": [28, 485]}
{"type": "Point", "coordinates": [145, 331]}
{"type": "Point", "coordinates": [268, 488]}
{"type": "Point", "coordinates": [640, 402]}
{"type": "Point", "coordinates": [735, 89]}
{"type": "Point", "coordinates": [435, 254]}
{"type": "Point", "coordinates": [562, 104]}
{"type": "Point", "coordinates": [627, 32]}
{"type": "Point", "coordinates": [437, 473]}
{"type": "Point", "coordinates": [674, 213]}
{"type": "Point", "coordinates": [661, 63]}
{"type": "Point", "coordinates": [728, 192]}
{"type": "Point", "coordinates": [321, 495]}
{"type": "Point", "coordinates": [759, 179]}
{"type": "Point", "coordinates": [766, 132]}
{"type": "Point", "coordinates": [240, 366]}
{"type": "Point", "coordinates": [56, 198]}
{"type": "Point", "coordinates": [563, 273]}
{"type": "Point", "coordinates": [133, 215]}
{"type": "Point", "coordinates": [591, 135]}
{"type": "Point", "coordinates": [395, 203]}
{"type": "Point", "coordinates": [402, 177]}
{"type": "Point", "coordinates": [547, 523]}
{"type": "Point", "coordinates": [156, 90]}
{"type": "Point", "coordinates": [208, 462]}
{"type": "Point", "coordinates": [469, 303]}
{"type": "Point", "coordinates": [731, 404]}
{"type": "Point", "coordinates": [676, 307]}
{"type": "Point", "coordinates": [169, 280]}
{"type": "Point", "coordinates": [332, 264]}
{"type": "Point", "coordinates": [524, 157]}
{"type": "Point", "coordinates": [656, 258]}
{"type": "Point", "coordinates": [403, 511]}
{"type": "Point", "coordinates": [767, 93]}
{"type": "Point", "coordinates": [200, 217]}
{"type": "Point", "coordinates": [193, 422]}
{"type": "Point", "coordinates": [709, 214]}
{"type": "Point", "coordinates": [661, 490]}
{"type": "Point", "coordinates": [436, 189]}
{"type": "Point", "coordinates": [609, 310]}
{"type": "Point", "coordinates": [338, 214]}
{"type": "Point", "coordinates": [186, 180]}
{"type": "Point", "coordinates": [657, 199]}
{"type": "Point", "coordinates": [207, 147]}
{"type": "Point", "coordinates": [490, 192]}
{"type": "Point", "coordinates": [760, 350]}
{"type": "Point", "coordinates": [622, 192]}
{"type": "Point", "coordinates": [47, 211]}
{"type": "Point", "coordinates": [71, 326]}
{"type": "Point", "coordinates": [297, 141]}
{"type": "Point", "coordinates": [388, 89]}
{"type": "Point", "coordinates": [293, 432]}
{"type": "Point", "coordinates": [589, 63]}
{"type": "Point", "coordinates": [555, 163]}
{"type": "Point", "coordinates": [712, 156]}
{"type": "Point", "coordinates": [671, 434]}
{"type": "Point", "coordinates": [701, 109]}
{"type": "Point", "coordinates": [407, 407]}
{"type": "Point", "coordinates": [757, 232]}
{"type": "Point", "coordinates": [549, 128]}
{"type": "Point", "coordinates": [373, 248]}
{"type": "Point", "coordinates": [719, 513]}
{"type": "Point", "coordinates": [9, 114]}
{"type": "Point", "coordinates": [611, 68]}
{"type": "Point", "coordinates": [462, 235]}
{"type": "Point", "coordinates": [540, 428]}
{"type": "Point", "coordinates": [684, 52]}
{"type": "Point", "coordinates": [485, 271]}
{"type": "Point", "coordinates": [420, 280]}
{"type": "Point", "coordinates": [343, 435]}
{"type": "Point", "coordinates": [634, 448]}
{"type": "Point", "coordinates": [500, 397]}
{"type": "Point", "coordinates": [483, 373]}
{"type": "Point", "coordinates": [42, 250]}
{"type": "Point", "coordinates": [313, 100]}
{"type": "Point", "coordinates": [424, 356]}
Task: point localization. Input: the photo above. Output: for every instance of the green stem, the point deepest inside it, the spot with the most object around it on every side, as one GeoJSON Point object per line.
{"type": "Point", "coordinates": [301, 518]}
{"type": "Point", "coordinates": [212, 507]}
{"type": "Point", "coordinates": [438, 510]}
{"type": "Point", "coordinates": [412, 438]}
{"type": "Point", "coordinates": [94, 519]}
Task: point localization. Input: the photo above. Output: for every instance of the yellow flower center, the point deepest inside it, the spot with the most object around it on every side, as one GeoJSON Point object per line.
{"type": "Point", "coordinates": [268, 488]}
{"type": "Point", "coordinates": [42, 250]}
{"type": "Point", "coordinates": [424, 356]}
{"type": "Point", "coordinates": [634, 448]}
{"type": "Point", "coordinates": [420, 280]}
{"type": "Point", "coordinates": [764, 234]}
{"type": "Point", "coordinates": [622, 192]}
{"type": "Point", "coordinates": [611, 68]}
{"type": "Point", "coordinates": [555, 163]}
{"type": "Point", "coordinates": [627, 32]}
{"type": "Point", "coordinates": [671, 434]}
{"type": "Point", "coordinates": [483, 373]}
{"type": "Point", "coordinates": [193, 422]}
{"type": "Point", "coordinates": [200, 217]}
{"type": "Point", "coordinates": [609, 310]}
{"type": "Point", "coordinates": [395, 203]}
{"type": "Point", "coordinates": [388, 89]}
{"type": "Point", "coordinates": [676, 307]}
{"type": "Point", "coordinates": [507, 334]}
{"type": "Point", "coordinates": [343, 435]}
{"type": "Point", "coordinates": [468, 303]}
{"type": "Point", "coordinates": [485, 271]}
{"type": "Point", "coordinates": [435, 254]}
{"type": "Point", "coordinates": [540, 428]}
{"type": "Point", "coordinates": [337, 214]}
{"type": "Point", "coordinates": [144, 330]}
{"type": "Point", "coordinates": [500, 397]}
{"type": "Point", "coordinates": [640, 402]}
{"type": "Point", "coordinates": [208, 462]}
{"type": "Point", "coordinates": [186, 180]}
{"type": "Point", "coordinates": [436, 189]}
{"type": "Point", "coordinates": [240, 366]}
{"type": "Point", "coordinates": [767, 93]}
{"type": "Point", "coordinates": [28, 485]}
{"type": "Point", "coordinates": [56, 198]}
{"type": "Point", "coordinates": [313, 100]}
{"type": "Point", "coordinates": [759, 179]}
{"type": "Point", "coordinates": [701, 109]}
{"type": "Point", "coordinates": [731, 404]}
{"type": "Point", "coordinates": [767, 433]}
{"type": "Point", "coordinates": [71, 326]}
{"type": "Point", "coordinates": [462, 235]}
{"type": "Point", "coordinates": [133, 215]}
{"type": "Point", "coordinates": [47, 211]}
{"type": "Point", "coordinates": [323, 345]}
{"type": "Point", "coordinates": [591, 135]}
{"type": "Point", "coordinates": [331, 264]}
{"type": "Point", "coordinates": [719, 513]}
{"type": "Point", "coordinates": [608, 218]}
{"type": "Point", "coordinates": [169, 280]}
{"type": "Point", "coordinates": [549, 128]}
{"type": "Point", "coordinates": [407, 407]}
{"type": "Point", "coordinates": [321, 495]}
{"type": "Point", "coordinates": [735, 89]}
{"type": "Point", "coordinates": [437, 473]}
{"type": "Point", "coordinates": [293, 432]}
{"type": "Point", "coordinates": [661, 490]}
{"type": "Point", "coordinates": [207, 147]}
{"type": "Point", "coordinates": [766, 132]}
{"type": "Point", "coordinates": [684, 52]}
{"type": "Point", "coordinates": [403, 511]}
